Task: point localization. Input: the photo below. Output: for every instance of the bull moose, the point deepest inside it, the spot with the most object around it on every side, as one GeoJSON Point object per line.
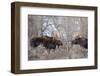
{"type": "Point", "coordinates": [81, 41]}
{"type": "Point", "coordinates": [47, 42]}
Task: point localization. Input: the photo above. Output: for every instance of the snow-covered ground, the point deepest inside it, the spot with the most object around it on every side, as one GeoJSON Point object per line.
{"type": "Point", "coordinates": [67, 51]}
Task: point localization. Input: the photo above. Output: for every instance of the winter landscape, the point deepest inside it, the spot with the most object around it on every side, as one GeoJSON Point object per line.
{"type": "Point", "coordinates": [57, 37]}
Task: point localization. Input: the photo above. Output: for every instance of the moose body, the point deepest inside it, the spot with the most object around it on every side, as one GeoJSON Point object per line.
{"type": "Point", "coordinates": [81, 41]}
{"type": "Point", "coordinates": [47, 42]}
{"type": "Point", "coordinates": [35, 42]}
